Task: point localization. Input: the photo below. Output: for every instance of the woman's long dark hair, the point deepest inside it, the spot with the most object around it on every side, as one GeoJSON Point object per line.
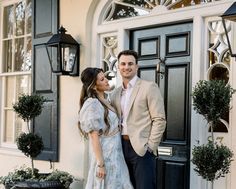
{"type": "Point", "coordinates": [89, 78]}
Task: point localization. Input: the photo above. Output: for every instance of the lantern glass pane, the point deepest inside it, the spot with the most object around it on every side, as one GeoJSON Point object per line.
{"type": "Point", "coordinates": [68, 53]}
{"type": "Point", "coordinates": [54, 57]}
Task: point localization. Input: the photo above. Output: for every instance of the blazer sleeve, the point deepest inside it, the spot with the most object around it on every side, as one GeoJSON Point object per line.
{"type": "Point", "coordinates": [157, 114]}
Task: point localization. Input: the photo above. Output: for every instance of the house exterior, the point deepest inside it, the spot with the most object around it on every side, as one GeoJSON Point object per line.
{"type": "Point", "coordinates": [179, 43]}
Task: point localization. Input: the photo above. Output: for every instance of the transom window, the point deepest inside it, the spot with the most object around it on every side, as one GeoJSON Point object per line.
{"type": "Point", "coordinates": [15, 65]}
{"type": "Point", "coordinates": [119, 9]}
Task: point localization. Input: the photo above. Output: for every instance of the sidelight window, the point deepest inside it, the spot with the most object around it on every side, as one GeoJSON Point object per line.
{"type": "Point", "coordinates": [219, 62]}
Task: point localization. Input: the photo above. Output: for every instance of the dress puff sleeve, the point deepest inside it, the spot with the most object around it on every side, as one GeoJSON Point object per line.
{"type": "Point", "coordinates": [91, 116]}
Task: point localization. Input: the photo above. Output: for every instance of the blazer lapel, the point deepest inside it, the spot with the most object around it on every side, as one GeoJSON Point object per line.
{"type": "Point", "coordinates": [134, 94]}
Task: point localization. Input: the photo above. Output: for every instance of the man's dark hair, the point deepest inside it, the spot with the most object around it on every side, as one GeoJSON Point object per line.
{"type": "Point", "coordinates": [127, 53]}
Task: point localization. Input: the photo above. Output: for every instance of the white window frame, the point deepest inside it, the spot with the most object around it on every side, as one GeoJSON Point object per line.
{"type": "Point", "coordinates": [3, 79]}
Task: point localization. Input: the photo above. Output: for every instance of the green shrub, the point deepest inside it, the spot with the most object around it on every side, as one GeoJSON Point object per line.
{"type": "Point", "coordinates": [212, 98]}
{"type": "Point", "coordinates": [61, 176]}
{"type": "Point", "coordinates": [29, 106]}
{"type": "Point", "coordinates": [212, 160]}
{"type": "Point", "coordinates": [30, 144]}
{"type": "Point", "coordinates": [25, 174]}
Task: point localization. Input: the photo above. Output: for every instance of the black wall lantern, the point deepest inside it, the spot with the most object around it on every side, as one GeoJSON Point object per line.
{"type": "Point", "coordinates": [63, 53]}
{"type": "Point", "coordinates": [230, 14]}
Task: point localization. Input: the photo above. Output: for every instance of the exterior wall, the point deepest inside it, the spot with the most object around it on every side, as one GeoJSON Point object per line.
{"type": "Point", "coordinates": [72, 152]}
{"type": "Point", "coordinates": [77, 17]}
{"type": "Point", "coordinates": [232, 176]}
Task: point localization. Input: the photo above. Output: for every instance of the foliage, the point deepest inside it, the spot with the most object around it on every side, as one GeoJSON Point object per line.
{"type": "Point", "coordinates": [25, 174]}
{"type": "Point", "coordinates": [212, 161]}
{"type": "Point", "coordinates": [30, 144]}
{"type": "Point", "coordinates": [29, 106]}
{"type": "Point", "coordinates": [212, 98]}
{"type": "Point", "coordinates": [63, 177]}
{"type": "Point", "coordinates": [18, 175]}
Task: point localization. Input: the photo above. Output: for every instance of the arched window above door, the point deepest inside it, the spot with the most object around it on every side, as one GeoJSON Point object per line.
{"type": "Point", "coordinates": [119, 9]}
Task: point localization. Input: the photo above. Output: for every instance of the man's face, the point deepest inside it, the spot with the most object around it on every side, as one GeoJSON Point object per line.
{"type": "Point", "coordinates": [127, 66]}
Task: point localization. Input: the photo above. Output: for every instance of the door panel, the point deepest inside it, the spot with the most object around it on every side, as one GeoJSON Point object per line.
{"type": "Point", "coordinates": [165, 58]}
{"type": "Point", "coordinates": [176, 102]}
{"type": "Point", "coordinates": [176, 171]}
{"type": "Point", "coordinates": [177, 44]}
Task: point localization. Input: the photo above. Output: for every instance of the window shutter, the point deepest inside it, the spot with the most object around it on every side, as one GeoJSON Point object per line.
{"type": "Point", "coordinates": [45, 24]}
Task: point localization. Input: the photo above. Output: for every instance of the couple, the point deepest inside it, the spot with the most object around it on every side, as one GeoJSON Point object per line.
{"type": "Point", "coordinates": [138, 107]}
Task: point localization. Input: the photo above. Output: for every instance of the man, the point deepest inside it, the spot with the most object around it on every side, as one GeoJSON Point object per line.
{"type": "Point", "coordinates": [140, 107]}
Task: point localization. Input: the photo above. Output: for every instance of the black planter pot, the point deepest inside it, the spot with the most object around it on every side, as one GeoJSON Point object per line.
{"type": "Point", "coordinates": [35, 184]}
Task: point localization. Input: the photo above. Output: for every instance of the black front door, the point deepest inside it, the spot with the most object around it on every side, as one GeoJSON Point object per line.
{"type": "Point", "coordinates": [165, 57]}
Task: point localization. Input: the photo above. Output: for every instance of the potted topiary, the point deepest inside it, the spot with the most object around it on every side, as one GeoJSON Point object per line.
{"type": "Point", "coordinates": [212, 99]}
{"type": "Point", "coordinates": [31, 144]}
{"type": "Point", "coordinates": [28, 107]}
{"type": "Point", "coordinates": [22, 178]}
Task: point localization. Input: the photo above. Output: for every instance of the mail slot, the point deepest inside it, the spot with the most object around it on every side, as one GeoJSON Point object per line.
{"type": "Point", "coordinates": [165, 151]}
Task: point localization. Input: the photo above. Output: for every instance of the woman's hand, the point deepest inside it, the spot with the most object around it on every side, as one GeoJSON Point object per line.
{"type": "Point", "coordinates": [101, 172]}
{"type": "Point", "coordinates": [97, 148]}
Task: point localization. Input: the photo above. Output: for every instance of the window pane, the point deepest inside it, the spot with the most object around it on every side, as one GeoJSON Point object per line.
{"type": "Point", "coordinates": [123, 10]}
{"type": "Point", "coordinates": [19, 54]}
{"type": "Point", "coordinates": [20, 127]}
{"type": "Point", "coordinates": [20, 18]}
{"type": "Point", "coordinates": [8, 21]}
{"type": "Point", "coordinates": [22, 85]}
{"type": "Point", "coordinates": [9, 95]}
{"type": "Point", "coordinates": [8, 126]}
{"type": "Point", "coordinates": [28, 55]}
{"type": "Point", "coordinates": [28, 15]}
{"type": "Point", "coordinates": [7, 58]}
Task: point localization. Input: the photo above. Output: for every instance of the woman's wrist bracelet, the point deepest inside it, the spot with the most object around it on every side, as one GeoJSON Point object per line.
{"type": "Point", "coordinates": [101, 166]}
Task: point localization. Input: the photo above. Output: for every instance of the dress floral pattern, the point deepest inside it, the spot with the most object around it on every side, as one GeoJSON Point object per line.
{"type": "Point", "coordinates": [117, 176]}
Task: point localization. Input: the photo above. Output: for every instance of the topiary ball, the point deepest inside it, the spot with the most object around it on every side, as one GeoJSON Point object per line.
{"type": "Point", "coordinates": [212, 161]}
{"type": "Point", "coordinates": [29, 106]}
{"type": "Point", "coordinates": [212, 98]}
{"type": "Point", "coordinates": [30, 144]}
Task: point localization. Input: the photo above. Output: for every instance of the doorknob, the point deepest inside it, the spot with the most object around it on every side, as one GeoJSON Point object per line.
{"type": "Point", "coordinates": [158, 68]}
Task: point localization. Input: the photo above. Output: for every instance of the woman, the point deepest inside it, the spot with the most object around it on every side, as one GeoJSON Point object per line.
{"type": "Point", "coordinates": [99, 122]}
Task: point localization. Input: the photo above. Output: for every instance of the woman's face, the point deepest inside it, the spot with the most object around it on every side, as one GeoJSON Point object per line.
{"type": "Point", "coordinates": [102, 83]}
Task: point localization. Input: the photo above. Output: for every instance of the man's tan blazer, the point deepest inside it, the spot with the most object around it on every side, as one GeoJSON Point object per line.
{"type": "Point", "coordinates": [146, 115]}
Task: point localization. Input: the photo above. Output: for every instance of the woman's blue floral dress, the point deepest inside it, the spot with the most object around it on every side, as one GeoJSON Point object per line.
{"type": "Point", "coordinates": [117, 176]}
